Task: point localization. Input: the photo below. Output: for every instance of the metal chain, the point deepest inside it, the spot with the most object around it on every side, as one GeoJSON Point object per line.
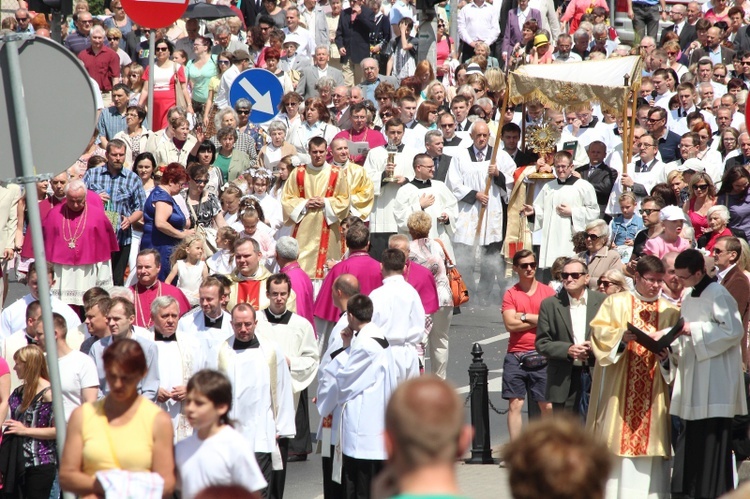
{"type": "Point", "coordinates": [472, 386]}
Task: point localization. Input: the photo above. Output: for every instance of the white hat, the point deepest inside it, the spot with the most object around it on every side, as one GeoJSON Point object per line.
{"type": "Point", "coordinates": [671, 213]}
{"type": "Point", "coordinates": [692, 165]}
{"type": "Point", "coordinates": [293, 38]}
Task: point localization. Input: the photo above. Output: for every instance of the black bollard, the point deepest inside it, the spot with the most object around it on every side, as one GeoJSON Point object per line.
{"type": "Point", "coordinates": [481, 452]}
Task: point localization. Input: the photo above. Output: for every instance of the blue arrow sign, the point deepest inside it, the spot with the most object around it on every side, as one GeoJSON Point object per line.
{"type": "Point", "coordinates": [263, 89]}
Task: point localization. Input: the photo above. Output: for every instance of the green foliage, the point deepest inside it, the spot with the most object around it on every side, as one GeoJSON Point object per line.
{"type": "Point", "coordinates": [96, 7]}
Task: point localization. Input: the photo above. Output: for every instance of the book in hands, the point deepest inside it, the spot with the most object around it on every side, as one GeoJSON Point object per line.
{"type": "Point", "coordinates": [653, 345]}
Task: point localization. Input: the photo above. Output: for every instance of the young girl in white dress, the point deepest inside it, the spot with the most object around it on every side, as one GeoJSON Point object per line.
{"type": "Point", "coordinates": [188, 267]}
{"type": "Point", "coordinates": [222, 262]}
{"type": "Point", "coordinates": [215, 454]}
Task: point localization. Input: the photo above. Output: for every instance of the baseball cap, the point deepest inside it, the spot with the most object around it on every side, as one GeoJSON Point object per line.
{"type": "Point", "coordinates": [671, 213]}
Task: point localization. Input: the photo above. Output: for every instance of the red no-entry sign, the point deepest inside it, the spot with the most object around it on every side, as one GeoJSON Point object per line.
{"type": "Point", "coordinates": [154, 14]}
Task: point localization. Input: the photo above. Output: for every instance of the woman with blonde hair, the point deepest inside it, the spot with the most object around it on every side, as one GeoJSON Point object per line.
{"type": "Point", "coordinates": [32, 420]}
{"type": "Point", "coordinates": [611, 282]}
{"type": "Point", "coordinates": [673, 50]}
{"type": "Point", "coordinates": [701, 197]}
{"type": "Point", "coordinates": [431, 253]}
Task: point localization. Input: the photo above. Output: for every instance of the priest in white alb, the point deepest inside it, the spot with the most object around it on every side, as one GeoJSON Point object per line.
{"type": "Point", "coordinates": [563, 207]}
{"type": "Point", "coordinates": [262, 400]}
{"type": "Point", "coordinates": [315, 200]}
{"type": "Point", "coordinates": [475, 169]}
{"type": "Point", "coordinates": [295, 335]}
{"type": "Point", "coordinates": [389, 167]}
{"type": "Point", "coordinates": [209, 324]}
{"type": "Point", "coordinates": [180, 356]}
{"type": "Point", "coordinates": [424, 193]}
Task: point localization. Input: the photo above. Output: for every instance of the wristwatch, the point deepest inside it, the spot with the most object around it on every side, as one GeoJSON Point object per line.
{"type": "Point", "coordinates": [523, 317]}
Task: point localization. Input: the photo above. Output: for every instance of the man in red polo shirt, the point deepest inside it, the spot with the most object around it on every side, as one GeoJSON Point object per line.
{"type": "Point", "coordinates": [521, 305]}
{"type": "Point", "coordinates": [102, 63]}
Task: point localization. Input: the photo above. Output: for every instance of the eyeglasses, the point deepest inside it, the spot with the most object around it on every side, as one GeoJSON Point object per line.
{"type": "Point", "coordinates": [649, 211]}
{"type": "Point", "coordinates": [224, 63]}
{"type": "Point", "coordinates": [162, 49]}
{"type": "Point", "coordinates": [85, 22]}
{"type": "Point", "coordinates": [291, 104]}
{"type": "Point", "coordinates": [574, 275]}
{"type": "Point", "coordinates": [592, 237]}
{"type": "Point", "coordinates": [604, 284]}
{"type": "Point", "coordinates": [243, 111]}
{"type": "Point", "coordinates": [647, 145]}
{"type": "Point", "coordinates": [202, 181]}
{"type": "Point", "coordinates": [654, 120]}
{"type": "Point", "coordinates": [527, 266]}
{"type": "Point", "coordinates": [650, 280]}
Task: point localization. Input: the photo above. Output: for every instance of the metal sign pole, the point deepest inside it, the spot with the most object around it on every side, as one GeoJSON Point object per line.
{"type": "Point", "coordinates": [150, 103]}
{"type": "Point", "coordinates": [29, 179]}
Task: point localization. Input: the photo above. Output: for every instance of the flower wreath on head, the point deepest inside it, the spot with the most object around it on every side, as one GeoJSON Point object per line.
{"type": "Point", "coordinates": [259, 173]}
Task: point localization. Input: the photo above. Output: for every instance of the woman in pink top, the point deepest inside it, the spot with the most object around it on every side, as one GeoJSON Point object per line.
{"type": "Point", "coordinates": [702, 196]}
{"type": "Point", "coordinates": [672, 220]}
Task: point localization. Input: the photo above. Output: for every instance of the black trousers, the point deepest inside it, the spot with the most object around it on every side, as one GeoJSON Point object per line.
{"type": "Point", "coordinates": [301, 444]}
{"type": "Point", "coordinates": [37, 482]}
{"type": "Point", "coordinates": [703, 459]}
{"type": "Point", "coordinates": [266, 467]}
{"type": "Point", "coordinates": [579, 394]}
{"type": "Point", "coordinates": [357, 476]}
{"type": "Point", "coordinates": [379, 243]}
{"type": "Point", "coordinates": [278, 477]}
{"type": "Point", "coordinates": [119, 264]}
{"type": "Point", "coordinates": [331, 489]}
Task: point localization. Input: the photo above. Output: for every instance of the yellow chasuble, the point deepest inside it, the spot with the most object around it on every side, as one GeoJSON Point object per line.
{"type": "Point", "coordinates": [361, 190]}
{"type": "Point", "coordinates": [629, 407]}
{"type": "Point", "coordinates": [317, 230]}
{"type": "Point", "coordinates": [252, 290]}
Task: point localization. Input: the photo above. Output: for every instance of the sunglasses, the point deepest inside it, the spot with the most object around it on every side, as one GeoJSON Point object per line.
{"type": "Point", "coordinates": [649, 211]}
{"type": "Point", "coordinates": [243, 111]}
{"type": "Point", "coordinates": [717, 251]}
{"type": "Point", "coordinates": [21, 19]}
{"type": "Point", "coordinates": [527, 266]}
{"type": "Point", "coordinates": [162, 49]}
{"type": "Point", "coordinates": [224, 63]}
{"type": "Point", "coordinates": [701, 187]}
{"type": "Point", "coordinates": [574, 275]}
{"type": "Point", "coordinates": [592, 237]}
{"type": "Point", "coordinates": [202, 181]}
{"type": "Point", "coordinates": [604, 284]}
{"type": "Point", "coordinates": [112, 38]}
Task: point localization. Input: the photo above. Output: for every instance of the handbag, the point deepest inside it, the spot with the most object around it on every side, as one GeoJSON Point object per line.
{"type": "Point", "coordinates": [179, 94]}
{"type": "Point", "coordinates": [458, 286]}
{"type": "Point", "coordinates": [531, 361]}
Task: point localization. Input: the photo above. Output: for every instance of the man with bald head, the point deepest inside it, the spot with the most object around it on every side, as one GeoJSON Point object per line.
{"type": "Point", "coordinates": [714, 50]}
{"type": "Point", "coordinates": [681, 26]}
{"type": "Point", "coordinates": [424, 434]}
{"type": "Point", "coordinates": [468, 182]}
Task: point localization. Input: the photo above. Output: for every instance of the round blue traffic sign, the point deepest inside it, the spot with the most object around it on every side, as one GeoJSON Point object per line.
{"type": "Point", "coordinates": [263, 89]}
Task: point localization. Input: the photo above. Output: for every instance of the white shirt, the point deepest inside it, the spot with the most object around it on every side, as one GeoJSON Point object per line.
{"type": "Point", "coordinates": [721, 274]}
{"type": "Point", "coordinates": [77, 371]}
{"type": "Point", "coordinates": [225, 458]}
{"type": "Point", "coordinates": [477, 22]}
{"type": "Point", "coordinates": [13, 317]}
{"type": "Point", "coordinates": [578, 317]}
{"type": "Point", "coordinates": [307, 48]}
{"type": "Point", "coordinates": [523, 15]}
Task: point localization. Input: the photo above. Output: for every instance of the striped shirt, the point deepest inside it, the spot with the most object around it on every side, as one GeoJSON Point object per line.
{"type": "Point", "coordinates": [126, 194]}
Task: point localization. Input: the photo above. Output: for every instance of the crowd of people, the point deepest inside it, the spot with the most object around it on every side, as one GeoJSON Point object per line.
{"type": "Point", "coordinates": [206, 269]}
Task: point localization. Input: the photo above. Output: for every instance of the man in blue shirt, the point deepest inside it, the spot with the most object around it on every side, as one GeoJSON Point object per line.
{"type": "Point", "coordinates": [123, 195]}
